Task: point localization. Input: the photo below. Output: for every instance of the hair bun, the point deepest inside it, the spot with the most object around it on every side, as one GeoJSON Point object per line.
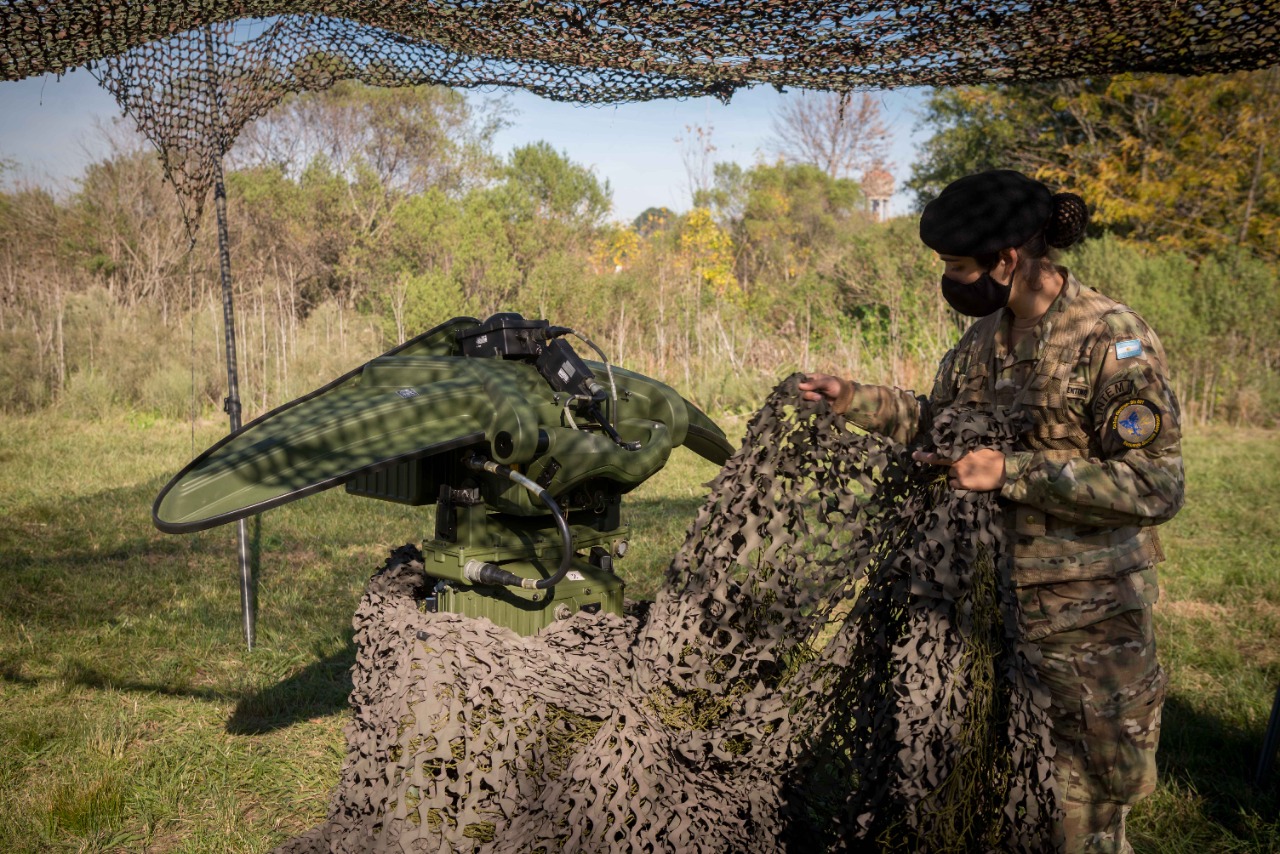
{"type": "Point", "coordinates": [1068, 221]}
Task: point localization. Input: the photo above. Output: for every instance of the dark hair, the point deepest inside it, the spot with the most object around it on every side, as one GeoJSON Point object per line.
{"type": "Point", "coordinates": [1065, 228]}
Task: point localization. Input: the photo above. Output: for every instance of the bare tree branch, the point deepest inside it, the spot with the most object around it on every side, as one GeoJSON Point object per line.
{"type": "Point", "coordinates": [842, 134]}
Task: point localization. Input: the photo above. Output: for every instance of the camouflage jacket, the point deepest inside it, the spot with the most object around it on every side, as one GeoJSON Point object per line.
{"type": "Point", "coordinates": [1101, 462]}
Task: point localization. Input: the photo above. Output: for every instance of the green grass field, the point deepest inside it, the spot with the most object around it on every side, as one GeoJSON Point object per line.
{"type": "Point", "coordinates": [133, 719]}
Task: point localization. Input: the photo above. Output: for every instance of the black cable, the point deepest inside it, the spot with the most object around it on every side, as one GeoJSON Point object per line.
{"type": "Point", "coordinates": [489, 573]}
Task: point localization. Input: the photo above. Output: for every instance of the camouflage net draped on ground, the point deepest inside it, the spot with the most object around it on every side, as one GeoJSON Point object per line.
{"type": "Point", "coordinates": [192, 90]}
{"type": "Point", "coordinates": [832, 662]}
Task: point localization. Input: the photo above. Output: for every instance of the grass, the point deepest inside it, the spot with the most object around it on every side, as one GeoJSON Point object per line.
{"type": "Point", "coordinates": [132, 718]}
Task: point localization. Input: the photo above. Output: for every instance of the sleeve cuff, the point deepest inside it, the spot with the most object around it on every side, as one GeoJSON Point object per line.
{"type": "Point", "coordinates": [842, 402]}
{"type": "Point", "coordinates": [1015, 465]}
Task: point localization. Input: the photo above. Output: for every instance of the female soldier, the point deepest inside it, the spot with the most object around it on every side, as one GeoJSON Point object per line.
{"type": "Point", "coordinates": [1099, 465]}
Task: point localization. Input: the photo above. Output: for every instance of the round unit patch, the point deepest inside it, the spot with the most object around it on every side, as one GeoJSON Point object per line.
{"type": "Point", "coordinates": [1136, 423]}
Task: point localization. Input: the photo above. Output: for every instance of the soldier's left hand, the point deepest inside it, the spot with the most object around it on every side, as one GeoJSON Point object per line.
{"type": "Point", "coordinates": [980, 471]}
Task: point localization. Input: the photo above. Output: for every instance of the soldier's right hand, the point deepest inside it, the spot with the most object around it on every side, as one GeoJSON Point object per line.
{"type": "Point", "coordinates": [826, 387]}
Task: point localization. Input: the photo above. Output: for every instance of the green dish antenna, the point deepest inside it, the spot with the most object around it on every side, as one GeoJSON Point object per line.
{"type": "Point", "coordinates": [524, 448]}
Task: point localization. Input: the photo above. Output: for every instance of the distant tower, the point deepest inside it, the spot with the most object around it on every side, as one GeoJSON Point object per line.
{"type": "Point", "coordinates": [877, 184]}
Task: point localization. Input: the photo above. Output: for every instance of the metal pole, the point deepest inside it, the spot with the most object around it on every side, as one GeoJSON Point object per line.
{"type": "Point", "coordinates": [248, 608]}
{"type": "Point", "coordinates": [1270, 742]}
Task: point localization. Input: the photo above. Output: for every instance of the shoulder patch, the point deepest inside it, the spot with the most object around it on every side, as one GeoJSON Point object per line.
{"type": "Point", "coordinates": [1123, 387]}
{"type": "Point", "coordinates": [1136, 423]}
{"type": "Point", "coordinates": [1128, 349]}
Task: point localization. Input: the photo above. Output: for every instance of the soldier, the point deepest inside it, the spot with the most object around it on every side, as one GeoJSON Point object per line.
{"type": "Point", "coordinates": [1099, 466]}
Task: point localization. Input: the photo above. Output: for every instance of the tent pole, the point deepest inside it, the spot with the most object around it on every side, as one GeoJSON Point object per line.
{"type": "Point", "coordinates": [248, 607]}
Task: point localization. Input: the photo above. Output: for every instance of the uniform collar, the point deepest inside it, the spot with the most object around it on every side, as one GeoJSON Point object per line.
{"type": "Point", "coordinates": [1043, 329]}
{"type": "Point", "coordinates": [1065, 297]}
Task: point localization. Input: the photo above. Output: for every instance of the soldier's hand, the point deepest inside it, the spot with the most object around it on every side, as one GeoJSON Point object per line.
{"type": "Point", "coordinates": [822, 387]}
{"type": "Point", "coordinates": [980, 471]}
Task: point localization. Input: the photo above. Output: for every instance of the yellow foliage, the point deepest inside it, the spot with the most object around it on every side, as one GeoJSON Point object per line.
{"type": "Point", "coordinates": [616, 250]}
{"type": "Point", "coordinates": [707, 250]}
{"type": "Point", "coordinates": [1184, 162]}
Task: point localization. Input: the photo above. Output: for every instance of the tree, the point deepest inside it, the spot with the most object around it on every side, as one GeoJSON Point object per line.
{"type": "Point", "coordinates": [1187, 163]}
{"type": "Point", "coordinates": [341, 161]}
{"type": "Point", "coordinates": [545, 183]}
{"type": "Point", "coordinates": [974, 129]}
{"type": "Point", "coordinates": [127, 229]}
{"type": "Point", "coordinates": [729, 193]}
{"type": "Point", "coordinates": [549, 207]}
{"type": "Point", "coordinates": [707, 251]}
{"type": "Point", "coordinates": [696, 150]}
{"type": "Point", "coordinates": [653, 219]}
{"type": "Point", "coordinates": [843, 134]}
{"type": "Point", "coordinates": [410, 138]}
{"type": "Point", "coordinates": [791, 215]}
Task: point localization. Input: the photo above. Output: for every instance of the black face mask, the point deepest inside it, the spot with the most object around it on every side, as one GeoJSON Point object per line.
{"type": "Point", "coordinates": [978, 298]}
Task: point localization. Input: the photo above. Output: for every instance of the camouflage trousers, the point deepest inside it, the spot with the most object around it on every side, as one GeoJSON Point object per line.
{"type": "Point", "coordinates": [1106, 692]}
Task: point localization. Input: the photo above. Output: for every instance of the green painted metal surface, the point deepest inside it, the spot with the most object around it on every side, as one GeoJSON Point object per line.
{"type": "Point", "coordinates": [526, 612]}
{"type": "Point", "coordinates": [414, 403]}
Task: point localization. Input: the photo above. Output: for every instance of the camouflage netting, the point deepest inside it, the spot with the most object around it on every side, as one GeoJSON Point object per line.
{"type": "Point", "coordinates": [832, 663]}
{"type": "Point", "coordinates": [191, 81]}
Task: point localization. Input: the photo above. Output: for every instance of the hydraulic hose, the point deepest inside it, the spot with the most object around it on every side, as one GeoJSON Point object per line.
{"type": "Point", "coordinates": [488, 573]}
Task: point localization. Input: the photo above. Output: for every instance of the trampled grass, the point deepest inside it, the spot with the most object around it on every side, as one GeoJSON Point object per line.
{"type": "Point", "coordinates": [132, 718]}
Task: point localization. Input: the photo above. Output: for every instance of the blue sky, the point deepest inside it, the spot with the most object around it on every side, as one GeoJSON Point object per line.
{"type": "Point", "coordinates": [48, 128]}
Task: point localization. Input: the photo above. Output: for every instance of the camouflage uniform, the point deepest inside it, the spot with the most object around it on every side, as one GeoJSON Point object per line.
{"type": "Point", "coordinates": [1099, 466]}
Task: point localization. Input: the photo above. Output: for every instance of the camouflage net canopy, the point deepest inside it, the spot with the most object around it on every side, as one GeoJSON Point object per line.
{"type": "Point", "coordinates": [182, 71]}
{"type": "Point", "coordinates": [832, 663]}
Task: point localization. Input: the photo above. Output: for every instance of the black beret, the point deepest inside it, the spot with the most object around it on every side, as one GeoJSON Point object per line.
{"type": "Point", "coordinates": [984, 213]}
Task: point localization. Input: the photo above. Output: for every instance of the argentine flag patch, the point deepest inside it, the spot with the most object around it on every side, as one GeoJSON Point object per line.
{"type": "Point", "coordinates": [1128, 349]}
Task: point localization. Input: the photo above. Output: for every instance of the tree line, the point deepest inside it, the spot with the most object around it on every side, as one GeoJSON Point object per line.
{"type": "Point", "coordinates": [361, 217]}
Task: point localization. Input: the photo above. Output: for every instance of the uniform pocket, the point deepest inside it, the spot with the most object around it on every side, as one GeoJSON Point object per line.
{"type": "Point", "coordinates": [1047, 609]}
{"type": "Point", "coordinates": [1119, 740]}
